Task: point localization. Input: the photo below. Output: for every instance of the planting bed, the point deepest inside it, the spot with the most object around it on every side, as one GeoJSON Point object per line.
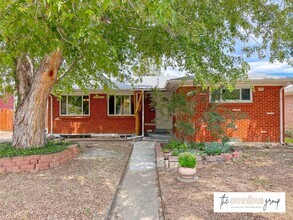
{"type": "Point", "coordinates": [171, 162]}
{"type": "Point", "coordinates": [38, 162]}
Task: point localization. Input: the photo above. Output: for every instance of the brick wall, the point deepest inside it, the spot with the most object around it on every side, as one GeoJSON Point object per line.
{"type": "Point", "coordinates": [257, 126]}
{"type": "Point", "coordinates": [6, 103]}
{"type": "Point", "coordinates": [97, 122]}
{"type": "Point", "coordinates": [289, 112]}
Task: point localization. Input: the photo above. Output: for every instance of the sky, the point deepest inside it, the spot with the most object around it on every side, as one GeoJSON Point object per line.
{"type": "Point", "coordinates": [256, 65]}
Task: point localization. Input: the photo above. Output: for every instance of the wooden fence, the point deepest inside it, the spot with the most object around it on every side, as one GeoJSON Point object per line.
{"type": "Point", "coordinates": [6, 119]}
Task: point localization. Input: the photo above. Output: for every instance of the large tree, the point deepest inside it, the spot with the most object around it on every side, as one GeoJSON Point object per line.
{"type": "Point", "coordinates": [53, 44]}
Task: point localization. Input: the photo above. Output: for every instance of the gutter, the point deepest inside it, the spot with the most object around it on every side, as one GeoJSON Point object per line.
{"type": "Point", "coordinates": [51, 114]}
{"type": "Point", "coordinates": [281, 115]}
{"type": "Point", "coordinates": [142, 110]}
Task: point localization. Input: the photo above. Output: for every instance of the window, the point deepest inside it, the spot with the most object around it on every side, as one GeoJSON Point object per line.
{"type": "Point", "coordinates": [237, 95]}
{"type": "Point", "coordinates": [121, 105]}
{"type": "Point", "coordinates": [74, 105]}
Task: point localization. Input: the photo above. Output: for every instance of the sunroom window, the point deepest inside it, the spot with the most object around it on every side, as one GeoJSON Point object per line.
{"type": "Point", "coordinates": [236, 95]}
{"type": "Point", "coordinates": [121, 105]}
{"type": "Point", "coordinates": [75, 105]}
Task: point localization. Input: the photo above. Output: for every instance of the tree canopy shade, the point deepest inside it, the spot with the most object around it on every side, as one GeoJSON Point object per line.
{"type": "Point", "coordinates": [57, 43]}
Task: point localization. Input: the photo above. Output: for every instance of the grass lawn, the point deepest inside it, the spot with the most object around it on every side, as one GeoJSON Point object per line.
{"type": "Point", "coordinates": [261, 169]}
{"type": "Point", "coordinates": [80, 189]}
{"type": "Point", "coordinates": [288, 140]}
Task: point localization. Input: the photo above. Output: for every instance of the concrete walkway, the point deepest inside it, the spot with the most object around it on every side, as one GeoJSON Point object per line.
{"type": "Point", "coordinates": [5, 136]}
{"type": "Point", "coordinates": [138, 197]}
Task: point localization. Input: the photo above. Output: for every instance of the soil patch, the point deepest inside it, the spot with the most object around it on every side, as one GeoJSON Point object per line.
{"type": "Point", "coordinates": [81, 189]}
{"type": "Point", "coordinates": [261, 169]}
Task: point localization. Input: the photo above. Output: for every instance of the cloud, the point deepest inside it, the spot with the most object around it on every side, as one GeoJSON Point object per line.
{"type": "Point", "coordinates": [265, 67]}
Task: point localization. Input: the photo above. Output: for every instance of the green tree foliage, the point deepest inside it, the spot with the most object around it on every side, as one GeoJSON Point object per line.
{"type": "Point", "coordinates": [103, 38]}
{"type": "Point", "coordinates": [46, 44]}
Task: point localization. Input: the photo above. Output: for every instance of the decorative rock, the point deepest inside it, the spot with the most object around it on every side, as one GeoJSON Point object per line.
{"type": "Point", "coordinates": [173, 162]}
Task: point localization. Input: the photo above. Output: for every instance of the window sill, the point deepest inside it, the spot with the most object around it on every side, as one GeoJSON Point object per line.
{"type": "Point", "coordinates": [74, 116]}
{"type": "Point", "coordinates": [232, 102]}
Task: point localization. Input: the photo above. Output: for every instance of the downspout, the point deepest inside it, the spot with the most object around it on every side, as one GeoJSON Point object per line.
{"type": "Point", "coordinates": [281, 115]}
{"type": "Point", "coordinates": [51, 114]}
{"type": "Point", "coordinates": [142, 114]}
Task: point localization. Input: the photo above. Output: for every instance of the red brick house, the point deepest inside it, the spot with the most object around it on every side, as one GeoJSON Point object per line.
{"type": "Point", "coordinates": [289, 109]}
{"type": "Point", "coordinates": [127, 110]}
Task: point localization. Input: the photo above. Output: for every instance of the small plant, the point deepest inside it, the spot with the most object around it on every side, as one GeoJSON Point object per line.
{"type": "Point", "coordinates": [187, 159]}
{"type": "Point", "coordinates": [6, 149]}
{"type": "Point", "coordinates": [213, 148]}
{"type": "Point", "coordinates": [226, 147]}
{"type": "Point", "coordinates": [173, 144]}
{"type": "Point", "coordinates": [176, 152]}
{"type": "Point", "coordinates": [196, 145]}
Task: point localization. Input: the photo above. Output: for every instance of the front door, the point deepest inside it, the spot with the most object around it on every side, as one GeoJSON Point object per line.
{"type": "Point", "coordinates": [163, 121]}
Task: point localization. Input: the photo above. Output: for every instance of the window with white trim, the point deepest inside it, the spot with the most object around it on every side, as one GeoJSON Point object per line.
{"type": "Point", "coordinates": [121, 105]}
{"type": "Point", "coordinates": [236, 95]}
{"type": "Point", "coordinates": [75, 105]}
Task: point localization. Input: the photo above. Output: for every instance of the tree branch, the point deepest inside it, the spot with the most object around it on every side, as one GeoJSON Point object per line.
{"type": "Point", "coordinates": [69, 68]}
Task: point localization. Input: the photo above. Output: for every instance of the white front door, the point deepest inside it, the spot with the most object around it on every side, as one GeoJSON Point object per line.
{"type": "Point", "coordinates": [163, 121]}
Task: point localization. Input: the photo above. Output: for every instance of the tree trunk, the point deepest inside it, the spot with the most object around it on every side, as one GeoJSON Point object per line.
{"type": "Point", "coordinates": [33, 89]}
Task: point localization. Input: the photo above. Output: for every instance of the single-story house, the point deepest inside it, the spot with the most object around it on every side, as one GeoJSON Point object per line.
{"type": "Point", "coordinates": [289, 109]}
{"type": "Point", "coordinates": [127, 109]}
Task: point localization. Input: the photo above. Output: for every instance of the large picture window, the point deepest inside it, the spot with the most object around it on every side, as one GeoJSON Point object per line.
{"type": "Point", "coordinates": [236, 95]}
{"type": "Point", "coordinates": [75, 105]}
{"type": "Point", "coordinates": [121, 105]}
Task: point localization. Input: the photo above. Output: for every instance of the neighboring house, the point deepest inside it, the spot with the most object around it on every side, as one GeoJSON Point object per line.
{"type": "Point", "coordinates": [7, 103]}
{"type": "Point", "coordinates": [289, 109]}
{"type": "Point", "coordinates": [6, 113]}
{"type": "Point", "coordinates": [127, 110]}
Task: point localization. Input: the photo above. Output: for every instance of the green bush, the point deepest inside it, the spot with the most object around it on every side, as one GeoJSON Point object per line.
{"type": "Point", "coordinates": [173, 144]}
{"type": "Point", "coordinates": [176, 152]}
{"type": "Point", "coordinates": [213, 148]}
{"type": "Point", "coordinates": [196, 145]}
{"type": "Point", "coordinates": [6, 149]}
{"type": "Point", "coordinates": [226, 148]}
{"type": "Point", "coordinates": [187, 159]}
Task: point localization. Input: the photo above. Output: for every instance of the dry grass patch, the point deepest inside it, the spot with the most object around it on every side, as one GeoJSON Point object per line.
{"type": "Point", "coordinates": [261, 169]}
{"type": "Point", "coordinates": [81, 189]}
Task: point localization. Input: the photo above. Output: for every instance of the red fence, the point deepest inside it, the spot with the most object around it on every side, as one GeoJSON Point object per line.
{"type": "Point", "coordinates": [6, 119]}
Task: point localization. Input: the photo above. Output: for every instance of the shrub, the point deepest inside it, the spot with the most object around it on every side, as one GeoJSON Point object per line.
{"type": "Point", "coordinates": [213, 148]}
{"type": "Point", "coordinates": [226, 147]}
{"type": "Point", "coordinates": [176, 152]}
{"type": "Point", "coordinates": [6, 149]}
{"type": "Point", "coordinates": [196, 145]}
{"type": "Point", "coordinates": [187, 160]}
{"type": "Point", "coordinates": [173, 144]}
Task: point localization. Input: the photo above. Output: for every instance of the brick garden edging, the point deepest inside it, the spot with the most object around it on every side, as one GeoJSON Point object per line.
{"type": "Point", "coordinates": [38, 162]}
{"type": "Point", "coordinates": [172, 161]}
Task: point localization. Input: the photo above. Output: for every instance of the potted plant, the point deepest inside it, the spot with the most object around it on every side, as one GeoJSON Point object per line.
{"type": "Point", "coordinates": [187, 163]}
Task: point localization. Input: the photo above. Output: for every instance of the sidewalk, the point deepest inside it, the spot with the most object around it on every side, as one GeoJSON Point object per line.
{"type": "Point", "coordinates": [138, 197]}
{"type": "Point", "coordinates": [5, 136]}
